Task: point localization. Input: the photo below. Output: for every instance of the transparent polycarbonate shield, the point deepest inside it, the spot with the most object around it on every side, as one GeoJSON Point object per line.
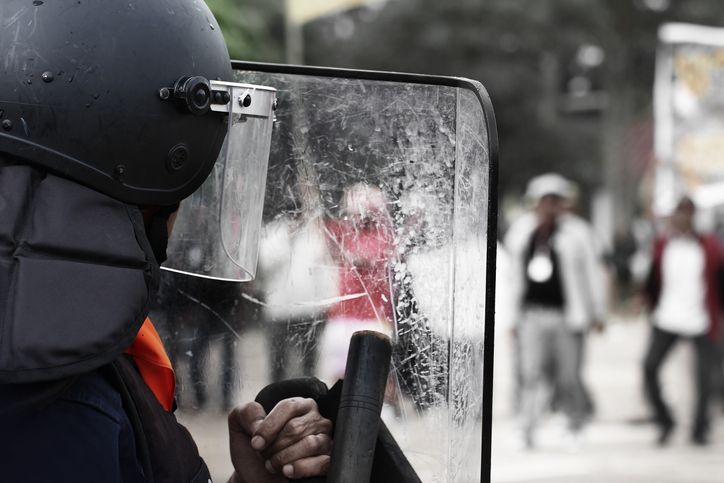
{"type": "Point", "coordinates": [379, 214]}
{"type": "Point", "coordinates": [216, 232]}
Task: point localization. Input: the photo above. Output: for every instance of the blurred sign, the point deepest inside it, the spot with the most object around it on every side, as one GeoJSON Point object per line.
{"type": "Point", "coordinates": [302, 11]}
{"type": "Point", "coordinates": [299, 12]}
{"type": "Point", "coordinates": [689, 116]}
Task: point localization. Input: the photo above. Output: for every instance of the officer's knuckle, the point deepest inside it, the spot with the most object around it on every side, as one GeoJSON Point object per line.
{"type": "Point", "coordinates": [234, 415]}
{"type": "Point", "coordinates": [315, 466]}
{"type": "Point", "coordinates": [296, 427]}
{"type": "Point", "coordinates": [324, 464]}
{"type": "Point", "coordinates": [312, 443]}
{"type": "Point", "coordinates": [325, 426]}
{"type": "Point", "coordinates": [302, 404]}
{"type": "Point", "coordinates": [279, 459]}
{"type": "Point", "coordinates": [328, 445]}
{"type": "Point", "coordinates": [244, 411]}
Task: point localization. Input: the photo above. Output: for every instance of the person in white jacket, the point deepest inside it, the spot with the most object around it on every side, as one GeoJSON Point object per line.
{"type": "Point", "coordinates": [298, 281]}
{"type": "Point", "coordinates": [559, 293]}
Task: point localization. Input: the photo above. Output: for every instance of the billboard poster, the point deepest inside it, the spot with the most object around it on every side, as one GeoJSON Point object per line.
{"type": "Point", "coordinates": [689, 116]}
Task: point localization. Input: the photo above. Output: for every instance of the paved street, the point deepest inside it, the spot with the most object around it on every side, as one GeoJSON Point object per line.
{"type": "Point", "coordinates": [617, 446]}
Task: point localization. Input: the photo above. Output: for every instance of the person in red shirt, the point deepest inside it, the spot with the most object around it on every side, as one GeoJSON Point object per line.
{"type": "Point", "coordinates": [362, 243]}
{"type": "Point", "coordinates": [684, 294]}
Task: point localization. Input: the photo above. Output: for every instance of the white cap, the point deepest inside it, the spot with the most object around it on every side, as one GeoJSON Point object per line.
{"type": "Point", "coordinates": [548, 184]}
{"type": "Point", "coordinates": [361, 199]}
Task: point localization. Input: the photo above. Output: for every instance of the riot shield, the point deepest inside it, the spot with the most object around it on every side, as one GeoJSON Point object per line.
{"type": "Point", "coordinates": [379, 214]}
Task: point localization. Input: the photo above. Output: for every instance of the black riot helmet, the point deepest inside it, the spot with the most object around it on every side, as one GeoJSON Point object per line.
{"type": "Point", "coordinates": [106, 105]}
{"type": "Point", "coordinates": [119, 95]}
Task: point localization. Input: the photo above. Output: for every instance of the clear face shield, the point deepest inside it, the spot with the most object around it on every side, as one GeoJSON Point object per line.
{"type": "Point", "coordinates": [216, 232]}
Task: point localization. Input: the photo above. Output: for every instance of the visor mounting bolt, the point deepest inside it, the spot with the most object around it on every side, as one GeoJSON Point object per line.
{"type": "Point", "coordinates": [177, 157]}
{"type": "Point", "coordinates": [119, 171]}
{"type": "Point", "coordinates": [245, 101]}
{"type": "Point", "coordinates": [201, 97]}
{"type": "Point", "coordinates": [7, 125]}
{"type": "Point", "coordinates": [164, 93]}
{"type": "Point", "coordinates": [221, 97]}
{"type": "Point", "coordinates": [47, 77]}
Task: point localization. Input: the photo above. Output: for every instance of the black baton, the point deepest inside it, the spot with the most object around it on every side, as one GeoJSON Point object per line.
{"type": "Point", "coordinates": [358, 417]}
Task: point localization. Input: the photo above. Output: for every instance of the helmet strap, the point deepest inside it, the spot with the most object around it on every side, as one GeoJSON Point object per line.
{"type": "Point", "coordinates": [157, 231]}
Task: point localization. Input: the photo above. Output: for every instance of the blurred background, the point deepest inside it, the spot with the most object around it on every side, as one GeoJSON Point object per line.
{"type": "Point", "coordinates": [594, 90]}
{"type": "Point", "coordinates": [572, 81]}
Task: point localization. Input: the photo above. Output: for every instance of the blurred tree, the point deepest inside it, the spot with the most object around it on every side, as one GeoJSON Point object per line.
{"type": "Point", "coordinates": [507, 44]}
{"type": "Point", "coordinates": [536, 57]}
{"type": "Point", "coordinates": [531, 55]}
{"type": "Point", "coordinates": [253, 29]}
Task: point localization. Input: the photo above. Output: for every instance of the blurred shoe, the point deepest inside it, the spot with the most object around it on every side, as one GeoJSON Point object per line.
{"type": "Point", "coordinates": [574, 440]}
{"type": "Point", "coordinates": [559, 421]}
{"type": "Point", "coordinates": [524, 441]}
{"type": "Point", "coordinates": [528, 441]}
{"type": "Point", "coordinates": [665, 430]}
{"type": "Point", "coordinates": [700, 438]}
{"type": "Point", "coordinates": [641, 420]}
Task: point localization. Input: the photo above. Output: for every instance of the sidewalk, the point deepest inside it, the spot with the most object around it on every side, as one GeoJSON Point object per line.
{"type": "Point", "coordinates": [617, 446]}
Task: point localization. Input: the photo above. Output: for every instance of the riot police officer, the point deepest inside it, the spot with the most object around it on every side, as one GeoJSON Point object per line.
{"type": "Point", "coordinates": [111, 113]}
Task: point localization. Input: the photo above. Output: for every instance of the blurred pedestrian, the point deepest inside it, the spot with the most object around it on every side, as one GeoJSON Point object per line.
{"type": "Point", "coordinates": [684, 293]}
{"type": "Point", "coordinates": [298, 281]}
{"type": "Point", "coordinates": [604, 257]}
{"type": "Point", "coordinates": [362, 243]}
{"type": "Point", "coordinates": [559, 294]}
{"type": "Point", "coordinates": [192, 314]}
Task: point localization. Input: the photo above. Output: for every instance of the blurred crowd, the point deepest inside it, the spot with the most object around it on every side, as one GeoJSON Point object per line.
{"type": "Point", "coordinates": [559, 276]}
{"type": "Point", "coordinates": [323, 277]}
{"type": "Point", "coordinates": [320, 279]}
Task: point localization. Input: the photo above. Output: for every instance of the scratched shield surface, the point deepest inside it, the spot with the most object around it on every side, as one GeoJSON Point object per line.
{"type": "Point", "coordinates": [375, 217]}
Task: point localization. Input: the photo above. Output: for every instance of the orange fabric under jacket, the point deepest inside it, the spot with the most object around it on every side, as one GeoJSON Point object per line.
{"type": "Point", "coordinates": [154, 365]}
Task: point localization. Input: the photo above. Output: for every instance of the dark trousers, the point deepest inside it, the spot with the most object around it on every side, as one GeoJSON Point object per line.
{"type": "Point", "coordinates": [659, 347]}
{"type": "Point", "coordinates": [546, 342]}
{"type": "Point", "coordinates": [301, 335]}
{"type": "Point", "coordinates": [198, 360]}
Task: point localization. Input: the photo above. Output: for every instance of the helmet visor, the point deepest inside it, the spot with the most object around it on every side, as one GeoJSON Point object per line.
{"type": "Point", "coordinates": [216, 232]}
